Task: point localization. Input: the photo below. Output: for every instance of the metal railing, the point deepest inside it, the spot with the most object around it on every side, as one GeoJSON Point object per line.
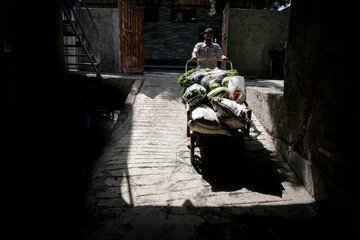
{"type": "Point", "coordinates": [72, 10]}
{"type": "Point", "coordinates": [82, 4]}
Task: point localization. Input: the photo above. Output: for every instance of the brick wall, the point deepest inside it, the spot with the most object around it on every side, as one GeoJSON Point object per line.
{"type": "Point", "coordinates": [169, 43]}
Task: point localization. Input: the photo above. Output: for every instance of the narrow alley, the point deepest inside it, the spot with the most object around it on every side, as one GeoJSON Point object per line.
{"type": "Point", "coordinates": [144, 186]}
{"type": "Point", "coordinates": [93, 132]}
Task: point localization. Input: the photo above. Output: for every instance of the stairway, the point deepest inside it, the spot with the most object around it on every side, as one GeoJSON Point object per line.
{"type": "Point", "coordinates": [78, 52]}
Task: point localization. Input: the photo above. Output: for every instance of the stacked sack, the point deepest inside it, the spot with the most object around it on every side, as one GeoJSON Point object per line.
{"type": "Point", "coordinates": [216, 98]}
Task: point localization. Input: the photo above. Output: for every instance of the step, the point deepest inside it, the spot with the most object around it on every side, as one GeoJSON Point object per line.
{"type": "Point", "coordinates": [72, 45]}
{"type": "Point", "coordinates": [67, 22]}
{"type": "Point", "coordinates": [70, 34]}
{"type": "Point", "coordinates": [78, 55]}
{"type": "Point", "coordinates": [81, 64]}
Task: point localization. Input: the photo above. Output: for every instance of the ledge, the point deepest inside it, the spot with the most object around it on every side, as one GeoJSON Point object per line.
{"type": "Point", "coordinates": [265, 97]}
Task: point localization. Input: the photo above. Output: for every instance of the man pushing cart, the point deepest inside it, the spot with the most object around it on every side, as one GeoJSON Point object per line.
{"type": "Point", "coordinates": [218, 116]}
{"type": "Point", "coordinates": [208, 53]}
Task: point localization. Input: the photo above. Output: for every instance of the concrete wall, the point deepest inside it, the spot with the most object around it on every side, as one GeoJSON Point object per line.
{"type": "Point", "coordinates": [251, 33]}
{"type": "Point", "coordinates": [314, 122]}
{"type": "Point", "coordinates": [107, 23]}
{"type": "Point", "coordinates": [172, 43]}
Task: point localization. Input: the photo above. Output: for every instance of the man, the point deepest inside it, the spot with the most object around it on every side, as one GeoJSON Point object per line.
{"type": "Point", "coordinates": [207, 53]}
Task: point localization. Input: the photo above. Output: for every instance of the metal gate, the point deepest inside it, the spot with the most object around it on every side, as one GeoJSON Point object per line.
{"type": "Point", "coordinates": [131, 23]}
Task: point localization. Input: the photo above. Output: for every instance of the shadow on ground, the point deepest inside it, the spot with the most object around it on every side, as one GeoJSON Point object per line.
{"type": "Point", "coordinates": [233, 163]}
{"type": "Point", "coordinates": [210, 223]}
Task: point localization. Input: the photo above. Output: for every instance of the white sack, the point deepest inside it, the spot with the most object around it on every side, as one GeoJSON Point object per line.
{"type": "Point", "coordinates": [237, 83]}
{"type": "Point", "coordinates": [230, 112]}
{"type": "Point", "coordinates": [205, 120]}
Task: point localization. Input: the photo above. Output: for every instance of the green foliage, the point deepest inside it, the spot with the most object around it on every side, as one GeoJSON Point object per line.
{"type": "Point", "coordinates": [183, 80]}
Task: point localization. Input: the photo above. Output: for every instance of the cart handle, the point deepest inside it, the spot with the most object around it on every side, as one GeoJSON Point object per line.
{"type": "Point", "coordinates": [231, 65]}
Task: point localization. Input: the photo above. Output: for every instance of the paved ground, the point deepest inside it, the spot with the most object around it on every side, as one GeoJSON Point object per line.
{"type": "Point", "coordinates": [144, 187]}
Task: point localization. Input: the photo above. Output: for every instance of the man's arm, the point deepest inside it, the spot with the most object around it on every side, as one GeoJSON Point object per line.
{"type": "Point", "coordinates": [195, 52]}
{"type": "Point", "coordinates": [193, 57]}
{"type": "Point", "coordinates": [221, 55]}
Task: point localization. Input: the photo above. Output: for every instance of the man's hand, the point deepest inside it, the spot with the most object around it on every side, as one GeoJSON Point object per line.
{"type": "Point", "coordinates": [194, 59]}
{"type": "Point", "coordinates": [224, 58]}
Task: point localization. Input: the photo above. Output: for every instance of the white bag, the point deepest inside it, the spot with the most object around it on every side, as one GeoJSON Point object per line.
{"type": "Point", "coordinates": [237, 85]}
{"type": "Point", "coordinates": [214, 76]}
{"type": "Point", "coordinates": [205, 120]}
{"type": "Point", "coordinates": [230, 112]}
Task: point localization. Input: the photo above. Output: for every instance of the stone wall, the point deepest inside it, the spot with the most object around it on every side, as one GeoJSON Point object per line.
{"type": "Point", "coordinates": [317, 130]}
{"type": "Point", "coordinates": [251, 34]}
{"type": "Point", "coordinates": [169, 43]}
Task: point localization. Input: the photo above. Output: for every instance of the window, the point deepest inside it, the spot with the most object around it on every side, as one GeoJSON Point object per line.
{"type": "Point", "coordinates": [151, 14]}
{"type": "Point", "coordinates": [183, 16]}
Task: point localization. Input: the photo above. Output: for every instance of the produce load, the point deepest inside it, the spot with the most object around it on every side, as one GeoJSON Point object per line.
{"type": "Point", "coordinates": [197, 74]}
{"type": "Point", "coordinates": [216, 95]}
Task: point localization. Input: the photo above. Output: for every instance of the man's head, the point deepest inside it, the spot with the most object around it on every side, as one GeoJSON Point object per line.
{"type": "Point", "coordinates": [209, 33]}
{"type": "Point", "coordinates": [209, 30]}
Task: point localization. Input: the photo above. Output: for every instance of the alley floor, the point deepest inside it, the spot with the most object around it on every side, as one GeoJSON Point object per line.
{"type": "Point", "coordinates": [143, 186]}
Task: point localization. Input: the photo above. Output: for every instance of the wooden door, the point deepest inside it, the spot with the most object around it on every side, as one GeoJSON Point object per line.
{"type": "Point", "coordinates": [131, 23]}
{"type": "Point", "coordinates": [224, 32]}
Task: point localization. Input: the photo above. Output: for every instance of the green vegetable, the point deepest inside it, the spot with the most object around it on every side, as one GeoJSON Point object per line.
{"type": "Point", "coordinates": [232, 72]}
{"type": "Point", "coordinates": [225, 81]}
{"type": "Point", "coordinates": [194, 94]}
{"type": "Point", "coordinates": [184, 82]}
{"type": "Point", "coordinates": [222, 92]}
{"type": "Point", "coordinates": [214, 85]}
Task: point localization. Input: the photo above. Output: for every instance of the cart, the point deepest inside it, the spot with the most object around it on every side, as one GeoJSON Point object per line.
{"type": "Point", "coordinates": [208, 145]}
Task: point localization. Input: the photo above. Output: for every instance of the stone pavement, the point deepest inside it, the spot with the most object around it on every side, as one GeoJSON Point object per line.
{"type": "Point", "coordinates": [144, 187]}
